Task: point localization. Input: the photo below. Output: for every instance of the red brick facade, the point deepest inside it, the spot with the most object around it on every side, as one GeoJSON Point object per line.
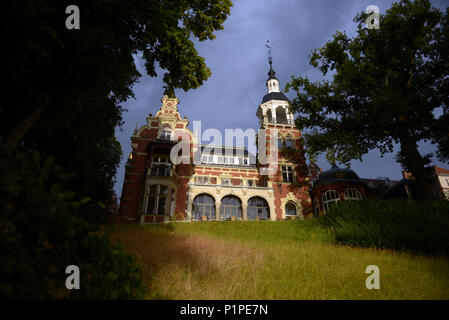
{"type": "Point", "coordinates": [171, 195]}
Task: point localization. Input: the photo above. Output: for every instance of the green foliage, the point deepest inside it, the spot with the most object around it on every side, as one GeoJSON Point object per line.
{"type": "Point", "coordinates": [42, 233]}
{"type": "Point", "coordinates": [417, 227]}
{"type": "Point", "coordinates": [64, 98]}
{"type": "Point", "coordinates": [386, 87]}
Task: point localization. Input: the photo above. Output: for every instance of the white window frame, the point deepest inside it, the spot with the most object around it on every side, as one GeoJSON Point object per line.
{"type": "Point", "coordinates": [349, 194]}
{"type": "Point", "coordinates": [327, 202]}
{"type": "Point", "coordinates": [288, 170]}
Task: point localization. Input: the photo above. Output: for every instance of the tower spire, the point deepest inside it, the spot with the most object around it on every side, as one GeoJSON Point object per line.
{"type": "Point", "coordinates": [271, 73]}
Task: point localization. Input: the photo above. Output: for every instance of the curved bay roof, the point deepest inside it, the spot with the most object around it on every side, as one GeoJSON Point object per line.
{"type": "Point", "coordinates": [336, 174]}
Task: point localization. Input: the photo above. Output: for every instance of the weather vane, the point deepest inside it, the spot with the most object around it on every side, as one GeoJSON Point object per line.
{"type": "Point", "coordinates": [269, 51]}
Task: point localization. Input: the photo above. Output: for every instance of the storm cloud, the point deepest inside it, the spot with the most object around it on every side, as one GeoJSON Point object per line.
{"type": "Point", "coordinates": [239, 65]}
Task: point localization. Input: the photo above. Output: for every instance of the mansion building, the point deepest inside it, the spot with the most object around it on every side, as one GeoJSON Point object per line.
{"type": "Point", "coordinates": [214, 182]}
{"type": "Point", "coordinates": [217, 182]}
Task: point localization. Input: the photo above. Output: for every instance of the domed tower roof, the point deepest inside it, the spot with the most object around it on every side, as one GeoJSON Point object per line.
{"type": "Point", "coordinates": [336, 174]}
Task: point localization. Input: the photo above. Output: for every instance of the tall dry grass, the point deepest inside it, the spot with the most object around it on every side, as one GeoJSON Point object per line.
{"type": "Point", "coordinates": [258, 261]}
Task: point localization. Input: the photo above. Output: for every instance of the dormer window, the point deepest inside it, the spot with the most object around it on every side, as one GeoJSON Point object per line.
{"type": "Point", "coordinates": [166, 133]}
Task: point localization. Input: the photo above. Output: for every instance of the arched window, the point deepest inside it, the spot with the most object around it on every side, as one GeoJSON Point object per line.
{"type": "Point", "coordinates": [329, 198]}
{"type": "Point", "coordinates": [231, 206]}
{"type": "Point", "coordinates": [269, 116]}
{"type": "Point", "coordinates": [258, 207]}
{"type": "Point", "coordinates": [290, 209]}
{"type": "Point", "coordinates": [352, 194]}
{"type": "Point", "coordinates": [203, 205]}
{"type": "Point", "coordinates": [157, 199]}
{"type": "Point", "coordinates": [281, 115]}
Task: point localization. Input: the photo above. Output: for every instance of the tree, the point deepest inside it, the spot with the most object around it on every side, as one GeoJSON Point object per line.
{"type": "Point", "coordinates": [62, 102]}
{"type": "Point", "coordinates": [51, 69]}
{"type": "Point", "coordinates": [389, 85]}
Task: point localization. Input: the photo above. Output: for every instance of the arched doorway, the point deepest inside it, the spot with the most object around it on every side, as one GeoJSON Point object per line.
{"type": "Point", "coordinates": [258, 208]}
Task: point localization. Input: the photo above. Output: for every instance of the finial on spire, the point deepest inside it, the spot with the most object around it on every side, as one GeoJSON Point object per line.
{"type": "Point", "coordinates": [270, 60]}
{"type": "Point", "coordinates": [271, 73]}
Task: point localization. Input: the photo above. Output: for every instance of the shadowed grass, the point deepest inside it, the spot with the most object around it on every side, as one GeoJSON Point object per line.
{"type": "Point", "coordinates": [273, 260]}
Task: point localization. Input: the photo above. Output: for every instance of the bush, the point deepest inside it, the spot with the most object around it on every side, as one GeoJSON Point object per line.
{"type": "Point", "coordinates": [41, 233]}
{"type": "Point", "coordinates": [420, 227]}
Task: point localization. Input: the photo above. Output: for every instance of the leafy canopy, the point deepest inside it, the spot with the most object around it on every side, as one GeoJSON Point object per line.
{"type": "Point", "coordinates": [388, 85]}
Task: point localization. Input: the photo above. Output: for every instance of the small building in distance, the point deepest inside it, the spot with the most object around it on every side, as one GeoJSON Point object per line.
{"type": "Point", "coordinates": [343, 184]}
{"type": "Point", "coordinates": [441, 182]}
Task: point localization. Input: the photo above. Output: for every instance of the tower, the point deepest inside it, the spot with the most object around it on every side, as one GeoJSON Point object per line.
{"type": "Point", "coordinates": [291, 180]}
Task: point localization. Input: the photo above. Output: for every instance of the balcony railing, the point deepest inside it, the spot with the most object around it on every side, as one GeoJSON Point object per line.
{"type": "Point", "coordinates": [282, 121]}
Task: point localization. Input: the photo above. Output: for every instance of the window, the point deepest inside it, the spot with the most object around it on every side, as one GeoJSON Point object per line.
{"type": "Point", "coordinates": [281, 115]}
{"type": "Point", "coordinates": [160, 167]}
{"type": "Point", "coordinates": [330, 197]}
{"type": "Point", "coordinates": [166, 133]}
{"type": "Point", "coordinates": [203, 205]}
{"type": "Point", "coordinates": [245, 161]}
{"type": "Point", "coordinates": [204, 159]}
{"type": "Point", "coordinates": [250, 183]}
{"type": "Point", "coordinates": [258, 207]}
{"type": "Point", "coordinates": [280, 143]}
{"type": "Point", "coordinates": [231, 206]}
{"type": "Point", "coordinates": [289, 142]}
{"type": "Point", "coordinates": [287, 174]}
{"type": "Point", "coordinates": [352, 194]}
{"type": "Point", "coordinates": [228, 160]}
{"type": "Point", "coordinates": [157, 199]}
{"type": "Point", "coordinates": [290, 209]}
{"type": "Point", "coordinates": [225, 182]}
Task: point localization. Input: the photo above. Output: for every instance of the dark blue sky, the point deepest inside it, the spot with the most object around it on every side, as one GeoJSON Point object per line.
{"type": "Point", "coordinates": [238, 61]}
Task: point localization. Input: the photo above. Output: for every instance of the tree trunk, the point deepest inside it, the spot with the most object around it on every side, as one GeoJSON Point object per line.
{"type": "Point", "coordinates": [21, 128]}
{"type": "Point", "coordinates": [422, 185]}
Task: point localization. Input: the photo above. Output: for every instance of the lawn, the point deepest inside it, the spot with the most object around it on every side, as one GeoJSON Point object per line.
{"type": "Point", "coordinates": [272, 260]}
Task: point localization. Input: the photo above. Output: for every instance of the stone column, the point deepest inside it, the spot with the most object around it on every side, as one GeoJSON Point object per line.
{"type": "Point", "coordinates": [217, 210]}
{"type": "Point", "coordinates": [245, 211]}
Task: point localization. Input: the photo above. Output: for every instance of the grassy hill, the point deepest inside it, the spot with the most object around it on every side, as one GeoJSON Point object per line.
{"type": "Point", "coordinates": [273, 260]}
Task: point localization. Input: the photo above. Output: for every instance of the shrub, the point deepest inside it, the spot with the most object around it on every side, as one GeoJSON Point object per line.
{"type": "Point", "coordinates": [41, 234]}
{"type": "Point", "coordinates": [420, 227]}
